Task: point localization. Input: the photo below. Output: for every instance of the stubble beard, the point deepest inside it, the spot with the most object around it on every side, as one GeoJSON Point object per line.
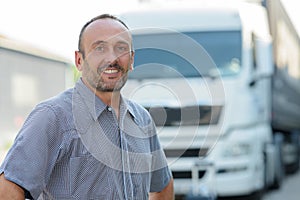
{"type": "Point", "coordinates": [96, 81]}
{"type": "Point", "coordinates": [111, 87]}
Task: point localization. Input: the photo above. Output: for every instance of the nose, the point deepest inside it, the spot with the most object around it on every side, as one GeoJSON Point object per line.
{"type": "Point", "coordinates": [111, 57]}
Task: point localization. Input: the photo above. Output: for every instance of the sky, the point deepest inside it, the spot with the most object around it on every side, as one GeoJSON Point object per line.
{"type": "Point", "coordinates": [55, 25]}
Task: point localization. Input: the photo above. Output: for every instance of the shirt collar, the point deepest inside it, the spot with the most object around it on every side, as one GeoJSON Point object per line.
{"type": "Point", "coordinates": [94, 105]}
{"type": "Point", "coordinates": [128, 106]}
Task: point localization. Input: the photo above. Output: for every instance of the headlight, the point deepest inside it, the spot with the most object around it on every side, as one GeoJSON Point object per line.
{"type": "Point", "coordinates": [239, 149]}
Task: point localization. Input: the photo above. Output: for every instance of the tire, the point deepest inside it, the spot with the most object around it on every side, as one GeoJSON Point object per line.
{"type": "Point", "coordinates": [279, 165]}
{"type": "Point", "coordinates": [294, 167]}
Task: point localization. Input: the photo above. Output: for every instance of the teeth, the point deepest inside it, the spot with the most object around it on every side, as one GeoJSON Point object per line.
{"type": "Point", "coordinates": [111, 71]}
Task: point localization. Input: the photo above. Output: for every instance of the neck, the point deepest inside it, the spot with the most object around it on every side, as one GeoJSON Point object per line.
{"type": "Point", "coordinates": [111, 99]}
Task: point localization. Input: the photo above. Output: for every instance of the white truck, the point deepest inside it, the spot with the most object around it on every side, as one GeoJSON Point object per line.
{"type": "Point", "coordinates": [221, 81]}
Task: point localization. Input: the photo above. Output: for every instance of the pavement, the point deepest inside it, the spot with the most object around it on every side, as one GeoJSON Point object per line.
{"type": "Point", "coordinates": [289, 190]}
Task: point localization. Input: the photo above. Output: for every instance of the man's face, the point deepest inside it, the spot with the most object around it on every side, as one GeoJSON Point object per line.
{"type": "Point", "coordinates": [108, 55]}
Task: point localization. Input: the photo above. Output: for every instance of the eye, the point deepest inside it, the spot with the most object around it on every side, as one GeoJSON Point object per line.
{"type": "Point", "coordinates": [122, 49]}
{"type": "Point", "coordinates": [100, 48]}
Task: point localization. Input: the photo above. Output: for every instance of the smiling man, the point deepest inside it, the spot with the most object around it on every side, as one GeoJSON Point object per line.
{"type": "Point", "coordinates": [89, 142]}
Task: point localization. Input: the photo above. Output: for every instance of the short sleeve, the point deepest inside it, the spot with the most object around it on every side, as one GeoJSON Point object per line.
{"type": "Point", "coordinates": [161, 174]}
{"type": "Point", "coordinates": [160, 179]}
{"type": "Point", "coordinates": [32, 157]}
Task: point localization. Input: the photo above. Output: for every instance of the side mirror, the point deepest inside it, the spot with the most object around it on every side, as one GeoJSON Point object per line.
{"type": "Point", "coordinates": [264, 57]}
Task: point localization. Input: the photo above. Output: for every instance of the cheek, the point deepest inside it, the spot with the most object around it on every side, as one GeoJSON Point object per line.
{"type": "Point", "coordinates": [126, 62]}
{"type": "Point", "coordinates": [92, 65]}
{"type": "Point", "coordinates": [88, 70]}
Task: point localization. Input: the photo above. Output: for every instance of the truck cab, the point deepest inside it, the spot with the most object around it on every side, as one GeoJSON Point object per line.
{"type": "Point", "coordinates": [203, 71]}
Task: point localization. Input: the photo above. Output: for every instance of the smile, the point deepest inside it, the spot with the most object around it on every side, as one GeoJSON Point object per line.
{"type": "Point", "coordinates": [111, 71]}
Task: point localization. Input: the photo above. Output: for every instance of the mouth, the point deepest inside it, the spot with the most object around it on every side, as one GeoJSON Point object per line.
{"type": "Point", "coordinates": [111, 71]}
{"type": "Point", "coordinates": [110, 78]}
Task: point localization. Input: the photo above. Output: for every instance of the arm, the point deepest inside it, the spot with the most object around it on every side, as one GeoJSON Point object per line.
{"type": "Point", "coordinates": [10, 190]}
{"type": "Point", "coordinates": [166, 194]}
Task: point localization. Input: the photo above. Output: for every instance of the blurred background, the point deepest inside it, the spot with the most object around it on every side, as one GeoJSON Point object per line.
{"type": "Point", "coordinates": [55, 25]}
{"type": "Point", "coordinates": [37, 43]}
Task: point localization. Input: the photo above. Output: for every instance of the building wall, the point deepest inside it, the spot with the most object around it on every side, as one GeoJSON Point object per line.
{"type": "Point", "coordinates": [25, 80]}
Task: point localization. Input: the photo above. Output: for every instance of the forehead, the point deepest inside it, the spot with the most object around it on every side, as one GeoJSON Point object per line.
{"type": "Point", "coordinates": [108, 30]}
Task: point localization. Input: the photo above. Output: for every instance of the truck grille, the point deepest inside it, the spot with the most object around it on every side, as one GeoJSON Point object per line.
{"type": "Point", "coordinates": [186, 116]}
{"type": "Point", "coordinates": [186, 174]}
{"type": "Point", "coordinates": [193, 152]}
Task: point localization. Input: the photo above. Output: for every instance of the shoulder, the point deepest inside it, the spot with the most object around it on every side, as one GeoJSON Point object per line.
{"type": "Point", "coordinates": [59, 103]}
{"type": "Point", "coordinates": [56, 111]}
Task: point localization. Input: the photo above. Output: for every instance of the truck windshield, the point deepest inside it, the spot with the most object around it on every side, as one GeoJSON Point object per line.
{"type": "Point", "coordinates": [223, 48]}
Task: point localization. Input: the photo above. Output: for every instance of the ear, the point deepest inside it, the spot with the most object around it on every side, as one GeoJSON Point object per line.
{"type": "Point", "coordinates": [78, 60]}
{"type": "Point", "coordinates": [131, 60]}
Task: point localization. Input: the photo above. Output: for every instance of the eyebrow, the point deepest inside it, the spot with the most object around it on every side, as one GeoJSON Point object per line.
{"type": "Point", "coordinates": [98, 42]}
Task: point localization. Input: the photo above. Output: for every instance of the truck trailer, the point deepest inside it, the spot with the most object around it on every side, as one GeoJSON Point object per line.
{"type": "Point", "coordinates": [222, 83]}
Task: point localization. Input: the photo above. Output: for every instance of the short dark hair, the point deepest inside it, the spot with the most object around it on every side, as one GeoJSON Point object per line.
{"type": "Point", "coordinates": [103, 16]}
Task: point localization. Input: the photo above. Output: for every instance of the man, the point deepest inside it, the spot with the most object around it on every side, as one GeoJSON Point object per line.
{"type": "Point", "coordinates": [89, 142]}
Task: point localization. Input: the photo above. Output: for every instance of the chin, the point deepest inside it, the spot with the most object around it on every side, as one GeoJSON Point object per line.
{"type": "Point", "coordinates": [109, 89]}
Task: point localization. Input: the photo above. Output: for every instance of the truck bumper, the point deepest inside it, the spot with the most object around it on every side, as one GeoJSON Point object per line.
{"type": "Point", "coordinates": [195, 181]}
{"type": "Point", "coordinates": [239, 180]}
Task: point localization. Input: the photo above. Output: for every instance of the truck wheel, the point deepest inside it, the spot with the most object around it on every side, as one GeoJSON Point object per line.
{"type": "Point", "coordinates": [279, 166]}
{"type": "Point", "coordinates": [294, 167]}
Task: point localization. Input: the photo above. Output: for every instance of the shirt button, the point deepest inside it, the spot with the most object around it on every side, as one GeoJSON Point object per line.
{"type": "Point", "coordinates": [109, 109]}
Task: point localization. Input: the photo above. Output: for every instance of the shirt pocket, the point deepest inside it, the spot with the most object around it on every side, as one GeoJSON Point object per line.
{"type": "Point", "coordinates": [88, 178]}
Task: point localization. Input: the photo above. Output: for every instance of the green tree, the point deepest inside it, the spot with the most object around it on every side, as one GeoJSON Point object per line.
{"type": "Point", "coordinates": [76, 74]}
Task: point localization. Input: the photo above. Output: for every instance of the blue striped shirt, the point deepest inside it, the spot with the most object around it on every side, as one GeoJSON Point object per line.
{"type": "Point", "coordinates": [72, 146]}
